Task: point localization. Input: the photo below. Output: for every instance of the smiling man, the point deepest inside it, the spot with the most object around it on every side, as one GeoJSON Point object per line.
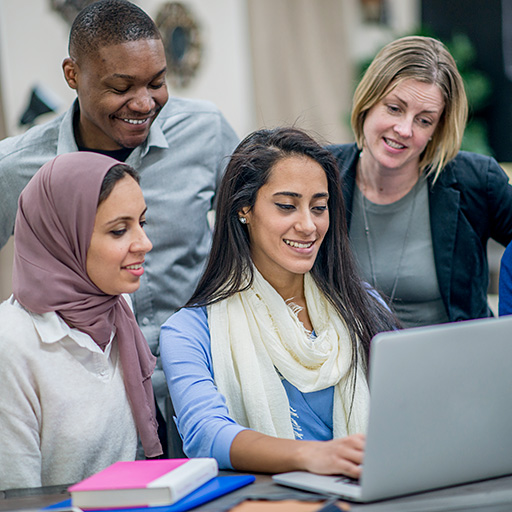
{"type": "Point", "coordinates": [117, 67]}
{"type": "Point", "coordinates": [117, 106]}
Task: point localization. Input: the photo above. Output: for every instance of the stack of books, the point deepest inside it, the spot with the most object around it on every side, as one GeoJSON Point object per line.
{"type": "Point", "coordinates": [171, 485]}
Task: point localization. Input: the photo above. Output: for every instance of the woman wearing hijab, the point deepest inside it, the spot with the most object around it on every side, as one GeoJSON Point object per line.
{"type": "Point", "coordinates": [266, 365]}
{"type": "Point", "coordinates": [75, 368]}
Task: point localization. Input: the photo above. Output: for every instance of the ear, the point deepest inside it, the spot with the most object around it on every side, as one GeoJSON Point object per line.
{"type": "Point", "coordinates": [70, 68]}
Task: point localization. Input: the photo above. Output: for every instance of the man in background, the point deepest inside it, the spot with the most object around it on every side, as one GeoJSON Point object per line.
{"type": "Point", "coordinates": [180, 147]}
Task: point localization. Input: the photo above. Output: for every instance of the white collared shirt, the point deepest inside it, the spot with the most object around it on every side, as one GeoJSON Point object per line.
{"type": "Point", "coordinates": [64, 412]}
{"type": "Point", "coordinates": [52, 329]}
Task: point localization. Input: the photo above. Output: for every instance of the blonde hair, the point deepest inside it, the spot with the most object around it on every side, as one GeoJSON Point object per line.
{"type": "Point", "coordinates": [427, 60]}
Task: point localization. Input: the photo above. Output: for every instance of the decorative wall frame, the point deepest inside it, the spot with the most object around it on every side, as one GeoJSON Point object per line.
{"type": "Point", "coordinates": [182, 39]}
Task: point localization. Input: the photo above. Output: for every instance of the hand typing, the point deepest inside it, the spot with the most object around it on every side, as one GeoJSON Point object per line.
{"type": "Point", "coordinates": [339, 456]}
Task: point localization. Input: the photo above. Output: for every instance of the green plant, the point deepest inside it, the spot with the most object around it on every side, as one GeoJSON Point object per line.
{"type": "Point", "coordinates": [478, 90]}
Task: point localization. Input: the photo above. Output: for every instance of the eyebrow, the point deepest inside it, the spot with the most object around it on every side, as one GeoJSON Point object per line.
{"type": "Point", "coordinates": [397, 98]}
{"type": "Point", "coordinates": [124, 218]}
{"type": "Point", "coordinates": [131, 77]}
{"type": "Point", "coordinates": [295, 194]}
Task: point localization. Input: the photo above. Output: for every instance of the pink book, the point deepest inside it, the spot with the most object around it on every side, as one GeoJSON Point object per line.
{"type": "Point", "coordinates": [143, 483]}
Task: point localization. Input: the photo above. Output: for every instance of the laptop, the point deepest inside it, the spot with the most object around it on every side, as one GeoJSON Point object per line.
{"type": "Point", "coordinates": [440, 412]}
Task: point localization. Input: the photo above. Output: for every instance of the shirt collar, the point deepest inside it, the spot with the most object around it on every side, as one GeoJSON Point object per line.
{"type": "Point", "coordinates": [51, 328]}
{"type": "Point", "coordinates": [66, 142]}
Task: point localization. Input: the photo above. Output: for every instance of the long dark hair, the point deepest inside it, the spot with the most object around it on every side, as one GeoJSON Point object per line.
{"type": "Point", "coordinates": [230, 269]}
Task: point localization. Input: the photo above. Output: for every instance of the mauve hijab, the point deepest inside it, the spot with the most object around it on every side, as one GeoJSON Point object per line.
{"type": "Point", "coordinates": [53, 230]}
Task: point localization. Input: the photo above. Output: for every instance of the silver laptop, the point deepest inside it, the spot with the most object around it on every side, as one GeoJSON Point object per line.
{"type": "Point", "coordinates": [440, 412]}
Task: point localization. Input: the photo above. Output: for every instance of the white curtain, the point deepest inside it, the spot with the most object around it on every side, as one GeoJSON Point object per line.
{"type": "Point", "coordinates": [302, 70]}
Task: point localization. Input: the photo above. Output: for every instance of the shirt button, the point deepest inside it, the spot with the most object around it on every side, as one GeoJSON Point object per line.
{"type": "Point", "coordinates": [145, 321]}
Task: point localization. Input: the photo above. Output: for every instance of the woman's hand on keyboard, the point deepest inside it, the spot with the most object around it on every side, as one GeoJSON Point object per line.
{"type": "Point", "coordinates": [339, 456]}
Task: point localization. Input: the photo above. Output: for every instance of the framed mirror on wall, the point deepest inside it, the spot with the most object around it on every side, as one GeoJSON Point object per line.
{"type": "Point", "coordinates": [183, 43]}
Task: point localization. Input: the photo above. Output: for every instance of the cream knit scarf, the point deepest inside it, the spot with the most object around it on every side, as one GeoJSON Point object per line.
{"type": "Point", "coordinates": [255, 332]}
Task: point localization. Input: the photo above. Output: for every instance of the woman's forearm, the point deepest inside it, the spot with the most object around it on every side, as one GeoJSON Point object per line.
{"type": "Point", "coordinates": [253, 451]}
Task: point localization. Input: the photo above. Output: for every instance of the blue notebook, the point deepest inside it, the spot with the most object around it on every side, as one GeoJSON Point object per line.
{"type": "Point", "coordinates": [215, 488]}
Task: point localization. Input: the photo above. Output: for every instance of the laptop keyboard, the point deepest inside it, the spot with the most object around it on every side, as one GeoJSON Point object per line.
{"type": "Point", "coordinates": [347, 480]}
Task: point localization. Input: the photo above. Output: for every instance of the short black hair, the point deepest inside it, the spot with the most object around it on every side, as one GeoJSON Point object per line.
{"type": "Point", "coordinates": [109, 22]}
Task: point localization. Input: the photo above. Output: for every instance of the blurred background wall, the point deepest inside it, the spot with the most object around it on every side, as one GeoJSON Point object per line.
{"type": "Point", "coordinates": [263, 62]}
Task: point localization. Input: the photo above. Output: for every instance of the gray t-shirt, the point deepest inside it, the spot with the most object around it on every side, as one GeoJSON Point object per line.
{"type": "Point", "coordinates": [399, 247]}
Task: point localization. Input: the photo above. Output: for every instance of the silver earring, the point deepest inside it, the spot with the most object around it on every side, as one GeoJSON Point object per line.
{"type": "Point", "coordinates": [243, 220]}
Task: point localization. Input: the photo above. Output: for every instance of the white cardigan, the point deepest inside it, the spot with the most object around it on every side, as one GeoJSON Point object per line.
{"type": "Point", "coordinates": [64, 412]}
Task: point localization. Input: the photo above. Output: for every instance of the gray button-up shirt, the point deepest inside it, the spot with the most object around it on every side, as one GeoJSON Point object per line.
{"type": "Point", "coordinates": [180, 164]}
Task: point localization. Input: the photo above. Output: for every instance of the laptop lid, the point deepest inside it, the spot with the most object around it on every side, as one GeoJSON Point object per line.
{"type": "Point", "coordinates": [440, 411]}
{"type": "Point", "coordinates": [441, 407]}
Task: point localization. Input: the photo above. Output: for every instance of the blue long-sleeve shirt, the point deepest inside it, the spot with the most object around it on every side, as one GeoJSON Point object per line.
{"type": "Point", "coordinates": [202, 416]}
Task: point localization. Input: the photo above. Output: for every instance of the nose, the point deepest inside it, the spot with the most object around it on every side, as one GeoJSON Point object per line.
{"type": "Point", "coordinates": [142, 244]}
{"type": "Point", "coordinates": [142, 102]}
{"type": "Point", "coordinates": [305, 223]}
{"type": "Point", "coordinates": [404, 127]}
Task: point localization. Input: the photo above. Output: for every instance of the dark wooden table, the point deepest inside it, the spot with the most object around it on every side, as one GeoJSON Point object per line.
{"type": "Point", "coordinates": [489, 496]}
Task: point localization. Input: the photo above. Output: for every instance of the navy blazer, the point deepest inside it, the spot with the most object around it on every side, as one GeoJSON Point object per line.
{"type": "Point", "coordinates": [470, 202]}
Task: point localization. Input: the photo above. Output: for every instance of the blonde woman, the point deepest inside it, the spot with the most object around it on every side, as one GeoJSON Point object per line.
{"type": "Point", "coordinates": [420, 211]}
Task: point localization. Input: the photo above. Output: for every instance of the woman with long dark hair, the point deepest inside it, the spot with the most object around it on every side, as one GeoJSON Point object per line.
{"type": "Point", "coordinates": [273, 346]}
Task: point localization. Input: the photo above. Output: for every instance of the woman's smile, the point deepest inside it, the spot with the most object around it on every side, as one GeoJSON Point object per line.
{"type": "Point", "coordinates": [298, 245]}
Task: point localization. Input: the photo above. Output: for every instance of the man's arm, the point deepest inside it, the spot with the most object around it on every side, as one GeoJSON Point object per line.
{"type": "Point", "coordinates": [20, 158]}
